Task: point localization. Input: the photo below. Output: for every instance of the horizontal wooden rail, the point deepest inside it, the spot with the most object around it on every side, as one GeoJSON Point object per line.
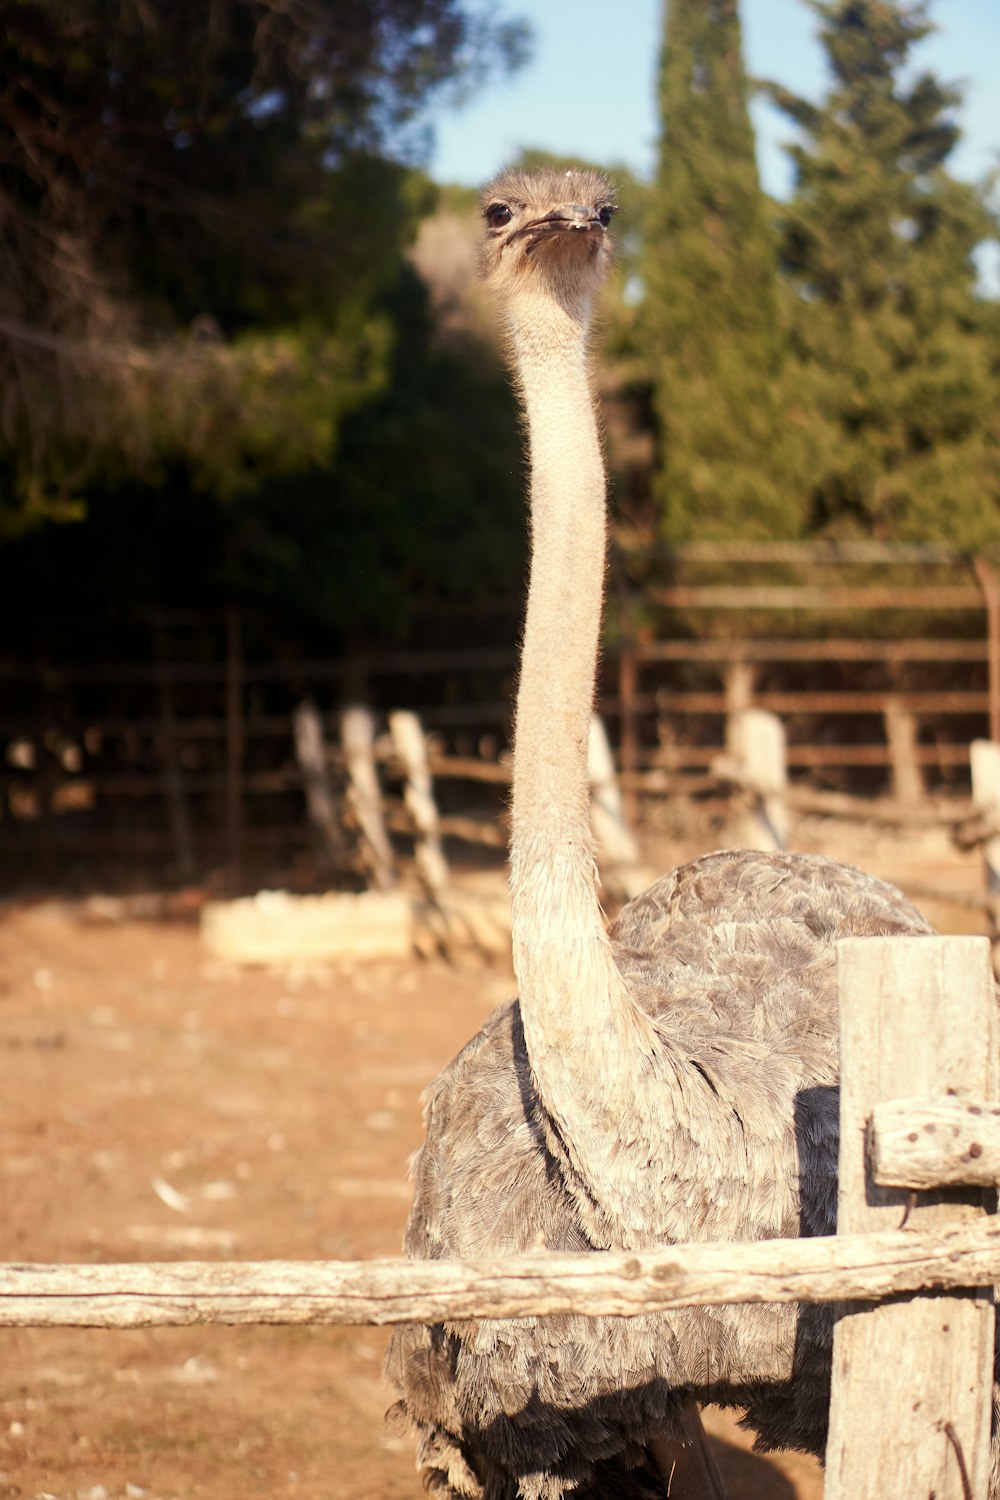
{"type": "Point", "coordinates": [812, 702]}
{"type": "Point", "coordinates": [833, 1268]}
{"type": "Point", "coordinates": [467, 768]}
{"type": "Point", "coordinates": [812, 596]}
{"type": "Point", "coordinates": [807, 553]}
{"type": "Point", "coordinates": [934, 1142]}
{"type": "Point", "coordinates": [698, 757]}
{"type": "Point", "coordinates": [828, 649]}
{"type": "Point", "coordinates": [204, 727]}
{"type": "Point", "coordinates": [492, 833]}
{"type": "Point", "coordinates": [149, 783]}
{"type": "Point", "coordinates": [889, 811]}
{"type": "Point", "coordinates": [387, 664]}
{"type": "Point", "coordinates": [875, 755]}
{"type": "Point", "coordinates": [435, 663]}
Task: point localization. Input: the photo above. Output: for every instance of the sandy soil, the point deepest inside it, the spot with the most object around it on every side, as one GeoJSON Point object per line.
{"type": "Point", "coordinates": [157, 1106]}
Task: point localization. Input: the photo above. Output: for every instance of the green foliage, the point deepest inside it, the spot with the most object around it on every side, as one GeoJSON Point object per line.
{"type": "Point", "coordinates": [423, 499]}
{"type": "Point", "coordinates": [183, 183]}
{"type": "Point", "coordinates": [265, 403]}
{"type": "Point", "coordinates": [890, 384]}
{"type": "Point", "coordinates": [711, 314]}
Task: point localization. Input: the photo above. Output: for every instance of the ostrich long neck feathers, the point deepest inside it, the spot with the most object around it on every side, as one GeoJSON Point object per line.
{"type": "Point", "coordinates": [587, 1042]}
{"type": "Point", "coordinates": [559, 654]}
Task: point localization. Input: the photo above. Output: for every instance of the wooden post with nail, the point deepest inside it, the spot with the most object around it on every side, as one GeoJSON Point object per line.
{"type": "Point", "coordinates": [913, 1376]}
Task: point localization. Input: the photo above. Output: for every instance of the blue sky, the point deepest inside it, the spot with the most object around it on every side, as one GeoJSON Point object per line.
{"type": "Point", "coordinates": [589, 90]}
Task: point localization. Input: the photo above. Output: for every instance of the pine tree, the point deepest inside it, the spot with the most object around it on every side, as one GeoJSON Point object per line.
{"type": "Point", "coordinates": [201, 205]}
{"type": "Point", "coordinates": [712, 320]}
{"type": "Point", "coordinates": [893, 395]}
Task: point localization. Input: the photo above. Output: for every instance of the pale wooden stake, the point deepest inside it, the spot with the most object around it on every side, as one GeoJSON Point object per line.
{"type": "Point", "coordinates": [984, 764]}
{"type": "Point", "coordinates": [411, 747]}
{"type": "Point", "coordinates": [357, 731]}
{"type": "Point", "coordinates": [756, 738]}
{"type": "Point", "coordinates": [912, 1378]}
{"type": "Point", "coordinates": [628, 672]}
{"type": "Point", "coordinates": [738, 685]}
{"type": "Point", "coordinates": [321, 804]}
{"type": "Point", "coordinates": [991, 597]}
{"type": "Point", "coordinates": [618, 849]}
{"type": "Point", "coordinates": [901, 738]}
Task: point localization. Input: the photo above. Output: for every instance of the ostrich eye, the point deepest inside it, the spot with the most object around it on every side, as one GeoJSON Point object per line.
{"type": "Point", "coordinates": [497, 215]}
{"type": "Point", "coordinates": [606, 214]}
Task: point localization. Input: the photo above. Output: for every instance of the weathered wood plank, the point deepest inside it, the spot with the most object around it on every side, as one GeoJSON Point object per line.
{"type": "Point", "coordinates": [325, 817]}
{"type": "Point", "coordinates": [984, 766]}
{"type": "Point", "coordinates": [618, 849]}
{"type": "Point", "coordinates": [400, 1291]}
{"type": "Point", "coordinates": [357, 734]}
{"type": "Point", "coordinates": [902, 738]}
{"type": "Point", "coordinates": [276, 927]}
{"type": "Point", "coordinates": [757, 759]}
{"type": "Point", "coordinates": [912, 1378]}
{"type": "Point", "coordinates": [935, 1142]}
{"type": "Point", "coordinates": [411, 747]}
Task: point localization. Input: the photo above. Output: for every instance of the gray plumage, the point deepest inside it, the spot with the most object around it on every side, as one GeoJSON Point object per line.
{"type": "Point", "coordinates": [732, 957]}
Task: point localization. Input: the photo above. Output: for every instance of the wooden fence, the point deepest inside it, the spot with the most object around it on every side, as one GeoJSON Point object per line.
{"type": "Point", "coordinates": [913, 1346]}
{"type": "Point", "coordinates": [166, 742]}
{"type": "Point", "coordinates": [880, 658]}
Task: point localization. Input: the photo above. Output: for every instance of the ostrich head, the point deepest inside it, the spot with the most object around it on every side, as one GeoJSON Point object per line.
{"type": "Point", "coordinates": [545, 237]}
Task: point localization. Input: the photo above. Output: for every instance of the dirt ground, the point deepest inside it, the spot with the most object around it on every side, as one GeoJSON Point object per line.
{"type": "Point", "coordinates": [157, 1105]}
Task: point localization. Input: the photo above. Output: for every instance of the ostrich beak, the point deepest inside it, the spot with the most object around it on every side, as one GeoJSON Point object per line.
{"type": "Point", "coordinates": [568, 216]}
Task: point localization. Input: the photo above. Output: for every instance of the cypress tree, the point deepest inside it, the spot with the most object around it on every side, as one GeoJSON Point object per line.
{"type": "Point", "coordinates": [710, 268]}
{"type": "Point", "coordinates": [893, 390]}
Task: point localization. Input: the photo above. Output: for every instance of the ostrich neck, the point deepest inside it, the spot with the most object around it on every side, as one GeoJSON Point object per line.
{"type": "Point", "coordinates": [550, 804]}
{"type": "Point", "coordinates": [587, 1042]}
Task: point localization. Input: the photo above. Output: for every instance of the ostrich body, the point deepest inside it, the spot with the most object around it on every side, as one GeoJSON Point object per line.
{"type": "Point", "coordinates": [674, 1079]}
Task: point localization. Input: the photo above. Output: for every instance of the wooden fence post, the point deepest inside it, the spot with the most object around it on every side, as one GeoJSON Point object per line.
{"type": "Point", "coordinates": [615, 840]}
{"type": "Point", "coordinates": [991, 595]}
{"type": "Point", "coordinates": [411, 747]}
{"type": "Point", "coordinates": [913, 1377]}
{"type": "Point", "coordinates": [629, 742]}
{"type": "Point", "coordinates": [756, 738]}
{"type": "Point", "coordinates": [904, 760]}
{"type": "Point", "coordinates": [321, 805]}
{"type": "Point", "coordinates": [984, 765]}
{"type": "Point", "coordinates": [357, 731]}
{"type": "Point", "coordinates": [738, 681]}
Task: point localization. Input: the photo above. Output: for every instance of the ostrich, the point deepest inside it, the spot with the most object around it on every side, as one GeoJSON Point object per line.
{"type": "Point", "coordinates": [672, 1079]}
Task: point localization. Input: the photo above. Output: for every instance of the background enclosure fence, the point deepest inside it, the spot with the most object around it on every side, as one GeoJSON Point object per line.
{"type": "Point", "coordinates": [165, 742]}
